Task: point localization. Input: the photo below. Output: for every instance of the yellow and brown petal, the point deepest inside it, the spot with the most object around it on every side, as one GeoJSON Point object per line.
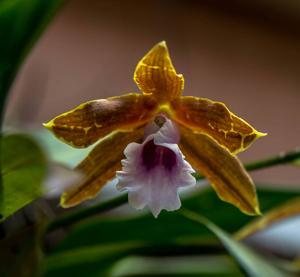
{"type": "Point", "coordinates": [156, 75]}
{"type": "Point", "coordinates": [100, 166]}
{"type": "Point", "coordinates": [215, 120]}
{"type": "Point", "coordinates": [225, 172]}
{"type": "Point", "coordinates": [210, 133]}
{"type": "Point", "coordinates": [93, 120]}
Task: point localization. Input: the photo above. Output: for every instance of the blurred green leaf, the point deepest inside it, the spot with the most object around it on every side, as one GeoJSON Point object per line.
{"type": "Point", "coordinates": [86, 261]}
{"type": "Point", "coordinates": [23, 170]}
{"type": "Point", "coordinates": [106, 260]}
{"type": "Point", "coordinates": [168, 227]}
{"type": "Point", "coordinates": [85, 248]}
{"type": "Point", "coordinates": [184, 266]}
{"type": "Point", "coordinates": [21, 23]}
{"type": "Point", "coordinates": [254, 264]}
{"type": "Point", "coordinates": [97, 234]}
{"type": "Point", "coordinates": [296, 162]}
{"type": "Point", "coordinates": [231, 219]}
{"type": "Point", "coordinates": [296, 264]}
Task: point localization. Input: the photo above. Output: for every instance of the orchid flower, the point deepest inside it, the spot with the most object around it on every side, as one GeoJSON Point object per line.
{"type": "Point", "coordinates": [203, 132]}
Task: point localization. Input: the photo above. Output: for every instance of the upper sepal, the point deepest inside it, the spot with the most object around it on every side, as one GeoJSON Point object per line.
{"type": "Point", "coordinates": [156, 75]}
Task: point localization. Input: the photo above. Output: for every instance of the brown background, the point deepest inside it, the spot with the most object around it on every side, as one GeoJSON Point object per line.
{"type": "Point", "coordinates": [245, 54]}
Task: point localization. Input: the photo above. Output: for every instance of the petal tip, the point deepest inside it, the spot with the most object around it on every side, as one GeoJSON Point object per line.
{"type": "Point", "coordinates": [63, 201]}
{"type": "Point", "coordinates": [163, 43]}
{"type": "Point", "coordinates": [48, 125]}
{"type": "Point", "coordinates": [161, 46]}
{"type": "Point", "coordinates": [260, 134]}
{"type": "Point", "coordinates": [255, 212]}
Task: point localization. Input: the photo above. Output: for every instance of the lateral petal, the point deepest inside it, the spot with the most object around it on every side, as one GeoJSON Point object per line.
{"type": "Point", "coordinates": [156, 75]}
{"type": "Point", "coordinates": [100, 166]}
{"type": "Point", "coordinates": [225, 172]}
{"type": "Point", "coordinates": [214, 119]}
{"type": "Point", "coordinates": [95, 119]}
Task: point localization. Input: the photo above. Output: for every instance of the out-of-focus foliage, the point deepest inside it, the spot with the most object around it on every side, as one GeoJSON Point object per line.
{"type": "Point", "coordinates": [95, 260]}
{"type": "Point", "coordinates": [185, 266]}
{"type": "Point", "coordinates": [297, 162]}
{"type": "Point", "coordinates": [169, 231]}
{"type": "Point", "coordinates": [166, 227]}
{"type": "Point", "coordinates": [21, 23]}
{"type": "Point", "coordinates": [23, 170]}
{"type": "Point", "coordinates": [253, 264]}
{"type": "Point", "coordinates": [23, 166]}
{"type": "Point", "coordinates": [112, 260]}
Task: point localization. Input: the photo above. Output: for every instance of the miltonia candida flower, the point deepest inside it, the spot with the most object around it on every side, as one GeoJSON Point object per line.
{"type": "Point", "coordinates": [210, 135]}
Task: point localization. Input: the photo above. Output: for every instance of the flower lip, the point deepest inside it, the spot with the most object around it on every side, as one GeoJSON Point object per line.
{"type": "Point", "coordinates": [156, 155]}
{"type": "Point", "coordinates": [154, 170]}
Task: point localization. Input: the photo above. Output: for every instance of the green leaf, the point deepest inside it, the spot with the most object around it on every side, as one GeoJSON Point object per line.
{"type": "Point", "coordinates": [86, 261]}
{"type": "Point", "coordinates": [23, 170]}
{"type": "Point", "coordinates": [296, 264]}
{"type": "Point", "coordinates": [185, 266]}
{"type": "Point", "coordinates": [254, 264]}
{"type": "Point", "coordinates": [296, 162]}
{"type": "Point", "coordinates": [228, 217]}
{"type": "Point", "coordinates": [21, 23]}
{"type": "Point", "coordinates": [169, 227]}
{"type": "Point", "coordinates": [169, 234]}
{"type": "Point", "coordinates": [106, 260]}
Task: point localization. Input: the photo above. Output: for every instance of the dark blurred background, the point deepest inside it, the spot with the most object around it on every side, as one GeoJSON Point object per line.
{"type": "Point", "coordinates": [243, 53]}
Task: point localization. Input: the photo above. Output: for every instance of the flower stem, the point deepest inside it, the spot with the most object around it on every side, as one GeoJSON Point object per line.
{"type": "Point", "coordinates": [74, 216]}
{"type": "Point", "coordinates": [281, 158]}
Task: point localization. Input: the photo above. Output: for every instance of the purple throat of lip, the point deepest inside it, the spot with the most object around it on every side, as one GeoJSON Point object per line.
{"type": "Point", "coordinates": [155, 155]}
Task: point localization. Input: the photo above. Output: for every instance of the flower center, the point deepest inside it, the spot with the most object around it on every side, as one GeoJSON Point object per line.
{"type": "Point", "coordinates": [155, 155]}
